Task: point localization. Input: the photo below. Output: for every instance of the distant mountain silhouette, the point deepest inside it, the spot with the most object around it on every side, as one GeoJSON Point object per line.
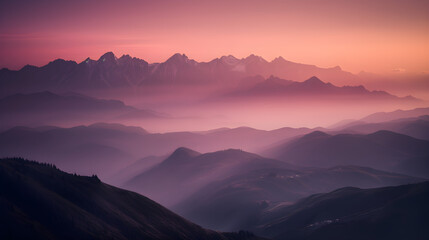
{"type": "Point", "coordinates": [180, 156]}
{"type": "Point", "coordinates": [48, 101]}
{"type": "Point", "coordinates": [61, 145]}
{"type": "Point", "coordinates": [215, 80]}
{"type": "Point", "coordinates": [238, 202]}
{"type": "Point", "coordinates": [271, 85]}
{"type": "Point", "coordinates": [39, 201]}
{"type": "Point", "coordinates": [44, 108]}
{"type": "Point", "coordinates": [251, 139]}
{"type": "Point", "coordinates": [106, 72]}
{"type": "Point", "coordinates": [312, 87]}
{"type": "Point", "coordinates": [98, 148]}
{"type": "Point", "coordinates": [417, 127]}
{"type": "Point", "coordinates": [381, 150]}
{"type": "Point", "coordinates": [398, 114]}
{"type": "Point", "coordinates": [111, 72]}
{"type": "Point", "coordinates": [352, 213]}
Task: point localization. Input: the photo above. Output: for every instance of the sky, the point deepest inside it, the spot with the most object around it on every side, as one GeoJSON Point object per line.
{"type": "Point", "coordinates": [384, 36]}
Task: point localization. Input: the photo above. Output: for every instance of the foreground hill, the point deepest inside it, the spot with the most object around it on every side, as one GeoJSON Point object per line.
{"type": "Point", "coordinates": [38, 201]}
{"type": "Point", "coordinates": [351, 213]}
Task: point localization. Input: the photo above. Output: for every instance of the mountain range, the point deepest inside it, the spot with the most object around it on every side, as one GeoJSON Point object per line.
{"type": "Point", "coordinates": [173, 95]}
{"type": "Point", "coordinates": [251, 76]}
{"type": "Point", "coordinates": [112, 72]}
{"type": "Point", "coordinates": [275, 87]}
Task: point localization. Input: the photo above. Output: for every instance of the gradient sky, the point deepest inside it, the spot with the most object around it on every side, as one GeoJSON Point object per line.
{"type": "Point", "coordinates": [376, 36]}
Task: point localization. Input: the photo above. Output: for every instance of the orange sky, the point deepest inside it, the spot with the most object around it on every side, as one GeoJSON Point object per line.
{"type": "Point", "coordinates": [375, 36]}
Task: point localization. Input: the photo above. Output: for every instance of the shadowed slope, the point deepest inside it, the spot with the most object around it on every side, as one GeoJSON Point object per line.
{"type": "Point", "coordinates": [186, 171]}
{"type": "Point", "coordinates": [38, 201]}
{"type": "Point", "coordinates": [240, 201]}
{"type": "Point", "coordinates": [351, 213]}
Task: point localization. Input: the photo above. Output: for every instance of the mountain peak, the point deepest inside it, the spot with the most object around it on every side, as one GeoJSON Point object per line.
{"type": "Point", "coordinates": [107, 57]}
{"type": "Point", "coordinates": [177, 57]}
{"type": "Point", "coordinates": [28, 67]}
{"type": "Point", "coordinates": [183, 153]}
{"type": "Point", "coordinates": [254, 58]}
{"type": "Point", "coordinates": [279, 59]}
{"type": "Point", "coordinates": [314, 80]}
{"type": "Point", "coordinates": [58, 63]}
{"type": "Point", "coordinates": [88, 61]}
{"type": "Point", "coordinates": [126, 57]}
{"type": "Point", "coordinates": [230, 59]}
